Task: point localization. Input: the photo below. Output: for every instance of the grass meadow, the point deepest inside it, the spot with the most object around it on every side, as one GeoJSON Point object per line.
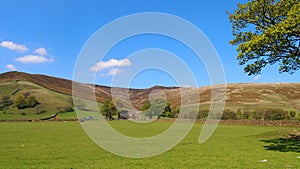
{"type": "Point", "coordinates": [65, 145]}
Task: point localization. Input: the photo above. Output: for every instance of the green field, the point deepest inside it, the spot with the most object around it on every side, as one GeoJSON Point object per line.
{"type": "Point", "coordinates": [65, 145]}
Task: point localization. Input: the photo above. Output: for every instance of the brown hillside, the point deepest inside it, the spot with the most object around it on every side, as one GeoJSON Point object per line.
{"type": "Point", "coordinates": [238, 96]}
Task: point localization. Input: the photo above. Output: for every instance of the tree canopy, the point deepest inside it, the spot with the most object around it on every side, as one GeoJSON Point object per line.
{"type": "Point", "coordinates": [267, 32]}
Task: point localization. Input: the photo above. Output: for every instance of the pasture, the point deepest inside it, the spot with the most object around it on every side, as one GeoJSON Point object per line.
{"type": "Point", "coordinates": [65, 145]}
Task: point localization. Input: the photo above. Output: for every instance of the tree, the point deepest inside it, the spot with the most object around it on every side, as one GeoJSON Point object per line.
{"type": "Point", "coordinates": [229, 114]}
{"type": "Point", "coordinates": [23, 102]}
{"type": "Point", "coordinates": [105, 109]}
{"type": "Point", "coordinates": [146, 109]}
{"type": "Point", "coordinates": [20, 101]}
{"type": "Point", "coordinates": [112, 109]}
{"type": "Point", "coordinates": [31, 101]}
{"type": "Point", "coordinates": [5, 102]}
{"type": "Point", "coordinates": [275, 114]}
{"type": "Point", "coordinates": [267, 32]}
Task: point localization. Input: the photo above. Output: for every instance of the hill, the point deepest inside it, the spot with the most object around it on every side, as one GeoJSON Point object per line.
{"type": "Point", "coordinates": [54, 93]}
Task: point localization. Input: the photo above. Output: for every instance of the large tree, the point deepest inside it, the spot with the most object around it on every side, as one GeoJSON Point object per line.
{"type": "Point", "coordinates": [267, 32]}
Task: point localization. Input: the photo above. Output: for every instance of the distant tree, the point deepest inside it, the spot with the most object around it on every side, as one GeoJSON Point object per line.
{"type": "Point", "coordinates": [105, 110]}
{"type": "Point", "coordinates": [23, 102]}
{"type": "Point", "coordinates": [5, 102]}
{"type": "Point", "coordinates": [229, 114]}
{"type": "Point", "coordinates": [112, 109]}
{"type": "Point", "coordinates": [166, 111]}
{"type": "Point", "coordinates": [31, 101]}
{"type": "Point", "coordinates": [174, 113]}
{"type": "Point", "coordinates": [146, 109]}
{"type": "Point", "coordinates": [257, 114]}
{"type": "Point", "coordinates": [246, 115]}
{"type": "Point", "coordinates": [267, 32]}
{"type": "Point", "coordinates": [292, 114]}
{"type": "Point", "coordinates": [275, 114]}
{"type": "Point", "coordinates": [202, 114]}
{"type": "Point", "coordinates": [20, 101]}
{"type": "Point", "coordinates": [146, 106]}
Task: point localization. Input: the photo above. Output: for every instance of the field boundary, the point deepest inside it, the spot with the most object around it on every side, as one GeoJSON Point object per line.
{"type": "Point", "coordinates": [284, 123]}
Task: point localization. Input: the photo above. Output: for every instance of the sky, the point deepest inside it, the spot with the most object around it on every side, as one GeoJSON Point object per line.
{"type": "Point", "coordinates": [48, 37]}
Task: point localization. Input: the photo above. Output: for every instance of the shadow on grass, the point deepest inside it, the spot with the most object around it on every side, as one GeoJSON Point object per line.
{"type": "Point", "coordinates": [289, 144]}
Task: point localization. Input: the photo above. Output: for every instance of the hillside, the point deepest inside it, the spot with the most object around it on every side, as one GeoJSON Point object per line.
{"type": "Point", "coordinates": [53, 92]}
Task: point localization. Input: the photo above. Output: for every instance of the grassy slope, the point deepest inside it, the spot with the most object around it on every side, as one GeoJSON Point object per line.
{"type": "Point", "coordinates": [65, 145]}
{"type": "Point", "coordinates": [49, 100]}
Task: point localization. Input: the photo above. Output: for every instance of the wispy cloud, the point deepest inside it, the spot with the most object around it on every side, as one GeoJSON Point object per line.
{"type": "Point", "coordinates": [13, 46]}
{"type": "Point", "coordinates": [114, 71]}
{"type": "Point", "coordinates": [256, 78]}
{"type": "Point", "coordinates": [34, 59]}
{"type": "Point", "coordinates": [11, 67]}
{"type": "Point", "coordinates": [100, 66]}
{"type": "Point", "coordinates": [41, 52]}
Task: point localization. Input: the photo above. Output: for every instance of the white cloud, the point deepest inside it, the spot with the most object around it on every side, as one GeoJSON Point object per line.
{"type": "Point", "coordinates": [41, 52]}
{"type": "Point", "coordinates": [34, 59]}
{"type": "Point", "coordinates": [256, 78]}
{"type": "Point", "coordinates": [114, 71]}
{"type": "Point", "coordinates": [13, 46]}
{"type": "Point", "coordinates": [109, 64]}
{"type": "Point", "coordinates": [11, 67]}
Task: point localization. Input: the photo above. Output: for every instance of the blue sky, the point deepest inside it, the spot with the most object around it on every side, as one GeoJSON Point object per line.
{"type": "Point", "coordinates": [46, 37]}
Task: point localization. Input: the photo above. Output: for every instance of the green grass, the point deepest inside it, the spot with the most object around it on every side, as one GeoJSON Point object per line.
{"type": "Point", "coordinates": [65, 145]}
{"type": "Point", "coordinates": [49, 100]}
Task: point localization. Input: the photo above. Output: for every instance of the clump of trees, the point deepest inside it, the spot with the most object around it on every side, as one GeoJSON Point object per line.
{"type": "Point", "coordinates": [258, 114]}
{"type": "Point", "coordinates": [159, 108]}
{"type": "Point", "coordinates": [108, 109]}
{"type": "Point", "coordinates": [25, 100]}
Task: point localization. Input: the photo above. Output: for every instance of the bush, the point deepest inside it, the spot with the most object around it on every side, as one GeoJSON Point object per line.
{"type": "Point", "coordinates": [275, 114]}
{"type": "Point", "coordinates": [203, 114]}
{"type": "Point", "coordinates": [5, 102]}
{"type": "Point", "coordinates": [246, 115]}
{"type": "Point", "coordinates": [292, 114]}
{"type": "Point", "coordinates": [229, 114]}
{"type": "Point", "coordinates": [256, 115]}
{"type": "Point", "coordinates": [25, 101]}
{"type": "Point", "coordinates": [174, 113]}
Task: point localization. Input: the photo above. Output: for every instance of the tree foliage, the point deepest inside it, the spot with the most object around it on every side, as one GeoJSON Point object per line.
{"type": "Point", "coordinates": [108, 109]}
{"type": "Point", "coordinates": [5, 102]}
{"type": "Point", "coordinates": [26, 100]}
{"type": "Point", "coordinates": [267, 32]}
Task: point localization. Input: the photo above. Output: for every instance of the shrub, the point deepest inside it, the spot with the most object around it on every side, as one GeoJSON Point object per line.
{"type": "Point", "coordinates": [246, 115]}
{"type": "Point", "coordinates": [239, 114]}
{"type": "Point", "coordinates": [174, 113]}
{"type": "Point", "coordinates": [275, 114]}
{"type": "Point", "coordinates": [203, 114]}
{"type": "Point", "coordinates": [23, 102]}
{"type": "Point", "coordinates": [5, 102]}
{"type": "Point", "coordinates": [292, 114]}
{"type": "Point", "coordinates": [256, 115]}
{"type": "Point", "coordinates": [229, 114]}
{"type": "Point", "coordinates": [20, 102]}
